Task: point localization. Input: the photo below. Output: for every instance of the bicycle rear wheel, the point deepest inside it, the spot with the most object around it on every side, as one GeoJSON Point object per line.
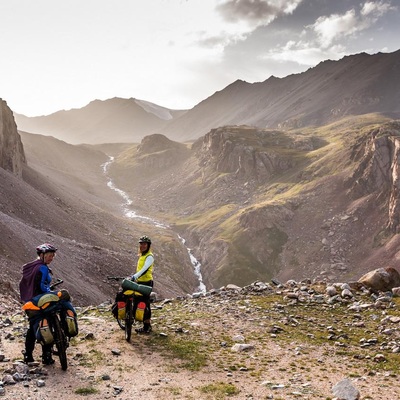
{"type": "Point", "coordinates": [128, 319]}
{"type": "Point", "coordinates": [61, 342]}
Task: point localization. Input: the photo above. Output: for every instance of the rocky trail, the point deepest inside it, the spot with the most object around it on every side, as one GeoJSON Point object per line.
{"type": "Point", "coordinates": [298, 340]}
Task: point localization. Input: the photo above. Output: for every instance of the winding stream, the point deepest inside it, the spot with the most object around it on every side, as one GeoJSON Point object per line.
{"type": "Point", "coordinates": [130, 213]}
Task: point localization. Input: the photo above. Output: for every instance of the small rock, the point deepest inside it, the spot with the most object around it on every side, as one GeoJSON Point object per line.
{"type": "Point", "coordinates": [346, 293]}
{"type": "Point", "coordinates": [8, 380]}
{"type": "Point", "coordinates": [275, 387]}
{"type": "Point", "coordinates": [118, 389]}
{"type": "Point", "coordinates": [344, 390]}
{"type": "Point", "coordinates": [379, 358]}
{"type": "Point", "coordinates": [242, 347]}
{"type": "Point", "coordinates": [331, 291]}
{"type": "Point", "coordinates": [238, 338]}
{"type": "Point", "coordinates": [89, 336]}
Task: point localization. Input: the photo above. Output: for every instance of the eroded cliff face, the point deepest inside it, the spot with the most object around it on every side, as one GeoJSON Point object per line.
{"type": "Point", "coordinates": [250, 153]}
{"type": "Point", "coordinates": [394, 201]}
{"type": "Point", "coordinates": [378, 170]}
{"type": "Point", "coordinates": [12, 156]}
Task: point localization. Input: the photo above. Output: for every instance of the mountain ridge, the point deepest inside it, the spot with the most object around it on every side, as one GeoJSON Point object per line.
{"type": "Point", "coordinates": [354, 85]}
{"type": "Point", "coordinates": [95, 123]}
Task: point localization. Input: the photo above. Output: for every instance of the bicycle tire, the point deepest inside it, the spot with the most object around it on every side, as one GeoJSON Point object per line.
{"type": "Point", "coordinates": [121, 323]}
{"type": "Point", "coordinates": [128, 319]}
{"type": "Point", "coordinates": [60, 342]}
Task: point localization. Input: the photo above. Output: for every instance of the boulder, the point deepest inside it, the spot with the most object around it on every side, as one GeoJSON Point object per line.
{"type": "Point", "coordinates": [381, 279]}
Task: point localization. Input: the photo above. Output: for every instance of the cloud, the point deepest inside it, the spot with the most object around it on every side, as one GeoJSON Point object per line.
{"type": "Point", "coordinates": [329, 28]}
{"type": "Point", "coordinates": [216, 41]}
{"type": "Point", "coordinates": [376, 9]}
{"type": "Point", "coordinates": [324, 38]}
{"type": "Point", "coordinates": [255, 12]}
{"type": "Point", "coordinates": [240, 18]}
{"type": "Point", "coordinates": [304, 53]}
{"type": "Point", "coordinates": [335, 26]}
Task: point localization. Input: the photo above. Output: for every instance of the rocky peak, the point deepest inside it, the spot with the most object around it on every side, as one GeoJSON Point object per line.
{"type": "Point", "coordinates": [156, 142]}
{"type": "Point", "coordinates": [12, 156]}
{"type": "Point", "coordinates": [158, 152]}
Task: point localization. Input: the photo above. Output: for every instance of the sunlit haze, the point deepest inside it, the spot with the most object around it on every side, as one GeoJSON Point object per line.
{"type": "Point", "coordinates": [175, 53]}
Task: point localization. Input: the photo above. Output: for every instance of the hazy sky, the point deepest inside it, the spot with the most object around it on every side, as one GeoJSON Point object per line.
{"type": "Point", "coordinates": [62, 54]}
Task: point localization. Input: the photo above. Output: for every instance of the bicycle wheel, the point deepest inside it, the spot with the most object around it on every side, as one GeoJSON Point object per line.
{"type": "Point", "coordinates": [121, 323]}
{"type": "Point", "coordinates": [128, 319]}
{"type": "Point", "coordinates": [61, 342]}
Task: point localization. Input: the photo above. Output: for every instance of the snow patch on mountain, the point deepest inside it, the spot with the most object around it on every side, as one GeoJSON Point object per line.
{"type": "Point", "coordinates": [160, 112]}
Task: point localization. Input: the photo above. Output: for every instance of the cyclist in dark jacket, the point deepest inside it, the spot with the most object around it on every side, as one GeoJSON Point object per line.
{"type": "Point", "coordinates": [36, 279]}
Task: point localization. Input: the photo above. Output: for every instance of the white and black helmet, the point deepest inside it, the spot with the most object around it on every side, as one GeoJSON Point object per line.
{"type": "Point", "coordinates": [45, 248]}
{"type": "Point", "coordinates": [144, 239]}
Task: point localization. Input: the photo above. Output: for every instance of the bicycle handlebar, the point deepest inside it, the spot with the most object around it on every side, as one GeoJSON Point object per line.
{"type": "Point", "coordinates": [56, 283]}
{"type": "Point", "coordinates": [116, 278]}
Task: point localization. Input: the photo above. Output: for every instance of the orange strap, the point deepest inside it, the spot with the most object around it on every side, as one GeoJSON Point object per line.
{"type": "Point", "coordinates": [30, 306]}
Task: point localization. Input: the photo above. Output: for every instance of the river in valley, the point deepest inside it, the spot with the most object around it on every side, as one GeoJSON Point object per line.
{"type": "Point", "coordinates": [129, 212]}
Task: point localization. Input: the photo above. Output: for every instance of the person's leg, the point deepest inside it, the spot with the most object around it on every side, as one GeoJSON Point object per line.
{"type": "Point", "coordinates": [147, 316]}
{"type": "Point", "coordinates": [30, 340]}
{"type": "Point", "coordinates": [47, 358]}
{"type": "Point", "coordinates": [147, 311]}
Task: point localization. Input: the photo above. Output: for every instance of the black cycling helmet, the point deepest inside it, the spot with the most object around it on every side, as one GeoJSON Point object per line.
{"type": "Point", "coordinates": [45, 248]}
{"type": "Point", "coordinates": [144, 239]}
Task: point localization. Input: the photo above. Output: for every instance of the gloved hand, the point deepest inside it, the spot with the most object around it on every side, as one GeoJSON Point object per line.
{"type": "Point", "coordinates": [135, 277]}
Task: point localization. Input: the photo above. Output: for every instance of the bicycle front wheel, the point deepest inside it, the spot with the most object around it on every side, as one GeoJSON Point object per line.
{"type": "Point", "coordinates": [61, 342]}
{"type": "Point", "coordinates": [128, 319]}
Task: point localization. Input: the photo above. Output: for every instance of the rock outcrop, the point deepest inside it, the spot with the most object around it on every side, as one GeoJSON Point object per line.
{"type": "Point", "coordinates": [379, 169]}
{"type": "Point", "coordinates": [158, 152]}
{"type": "Point", "coordinates": [12, 156]}
{"type": "Point", "coordinates": [250, 153]}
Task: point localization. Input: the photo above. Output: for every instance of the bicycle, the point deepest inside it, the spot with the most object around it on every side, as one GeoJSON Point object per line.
{"type": "Point", "coordinates": [55, 316]}
{"type": "Point", "coordinates": [128, 320]}
{"type": "Point", "coordinates": [129, 293]}
{"type": "Point", "coordinates": [50, 307]}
